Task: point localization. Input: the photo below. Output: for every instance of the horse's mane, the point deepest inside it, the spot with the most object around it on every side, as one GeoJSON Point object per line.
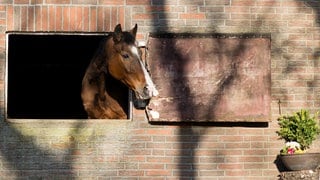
{"type": "Point", "coordinates": [99, 54]}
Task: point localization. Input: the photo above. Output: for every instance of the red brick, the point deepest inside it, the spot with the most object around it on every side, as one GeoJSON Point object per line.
{"type": "Point", "coordinates": [93, 19]}
{"type": "Point", "coordinates": [145, 16]}
{"type": "Point", "coordinates": [240, 173]}
{"type": "Point", "coordinates": [237, 145]}
{"type": "Point", "coordinates": [256, 138]}
{"type": "Point", "coordinates": [157, 8]}
{"type": "Point", "coordinates": [151, 166]}
{"type": "Point", "coordinates": [38, 18]}
{"type": "Point", "coordinates": [121, 16]}
{"type": "Point", "coordinates": [21, 1]}
{"type": "Point", "coordinates": [212, 174]}
{"type": "Point", "coordinates": [140, 138]}
{"type": "Point", "coordinates": [24, 18]}
{"type": "Point", "coordinates": [176, 166]}
{"type": "Point", "coordinates": [86, 18]}
{"type": "Point", "coordinates": [208, 166]}
{"type": "Point", "coordinates": [158, 152]}
{"type": "Point", "coordinates": [159, 132]}
{"type": "Point", "coordinates": [235, 9]}
{"type": "Point", "coordinates": [193, 16]}
{"type": "Point", "coordinates": [230, 166]}
{"type": "Point", "coordinates": [256, 152]}
{"type": "Point", "coordinates": [214, 131]}
{"type": "Point", "coordinates": [217, 2]}
{"type": "Point", "coordinates": [58, 18]}
{"type": "Point", "coordinates": [183, 145]}
{"type": "Point", "coordinates": [251, 131]}
{"type": "Point", "coordinates": [178, 152]}
{"type": "Point", "coordinates": [300, 23]}
{"type": "Point", "coordinates": [138, 152]}
{"type": "Point", "coordinates": [66, 18]}
{"type": "Point", "coordinates": [159, 145]}
{"type": "Point", "coordinates": [299, 36]}
{"type": "Point", "coordinates": [241, 16]}
{"type": "Point", "coordinates": [58, 1]}
{"type": "Point", "coordinates": [204, 152]}
{"type": "Point", "coordinates": [238, 22]}
{"type": "Point", "coordinates": [111, 2]}
{"type": "Point", "coordinates": [36, 2]}
{"type": "Point", "coordinates": [292, 4]}
{"type": "Point", "coordinates": [52, 18]}
{"type": "Point", "coordinates": [153, 178]}
{"type": "Point", "coordinates": [73, 18]}
{"type": "Point", "coordinates": [158, 173]}
{"type": "Point", "coordinates": [76, 18]}
{"type": "Point", "coordinates": [273, 3]}
{"type": "Point", "coordinates": [113, 19]}
{"type": "Point", "coordinates": [138, 145]}
{"type": "Point", "coordinates": [243, 3]}
{"type": "Point", "coordinates": [209, 144]}
{"type": "Point", "coordinates": [44, 18]}
{"type": "Point", "coordinates": [85, 2]}
{"type": "Point", "coordinates": [231, 138]}
{"type": "Point", "coordinates": [256, 166]}
{"type": "Point", "coordinates": [137, 131]}
{"type": "Point", "coordinates": [256, 145]}
{"type": "Point", "coordinates": [244, 159]}
{"type": "Point", "coordinates": [103, 18]}
{"type": "Point", "coordinates": [135, 158]}
{"type": "Point", "coordinates": [231, 152]}
{"type": "Point", "coordinates": [138, 2]}
{"type": "Point", "coordinates": [31, 18]}
{"type": "Point", "coordinates": [3, 22]}
{"type": "Point", "coordinates": [137, 173]}
{"type": "Point", "coordinates": [186, 159]}
{"type": "Point", "coordinates": [159, 159]}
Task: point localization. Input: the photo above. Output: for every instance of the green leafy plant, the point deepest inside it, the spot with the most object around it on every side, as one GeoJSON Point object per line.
{"type": "Point", "coordinates": [299, 127]}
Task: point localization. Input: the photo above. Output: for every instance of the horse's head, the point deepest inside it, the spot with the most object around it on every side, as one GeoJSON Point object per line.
{"type": "Point", "coordinates": [125, 63]}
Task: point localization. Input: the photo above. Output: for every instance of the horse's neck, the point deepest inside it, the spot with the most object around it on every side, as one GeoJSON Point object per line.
{"type": "Point", "coordinates": [113, 86]}
{"type": "Point", "coordinates": [117, 91]}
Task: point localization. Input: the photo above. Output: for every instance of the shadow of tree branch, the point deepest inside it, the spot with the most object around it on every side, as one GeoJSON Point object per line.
{"type": "Point", "coordinates": [188, 164]}
{"type": "Point", "coordinates": [28, 159]}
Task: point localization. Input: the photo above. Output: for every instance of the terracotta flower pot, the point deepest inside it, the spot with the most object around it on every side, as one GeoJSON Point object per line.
{"type": "Point", "coordinates": [297, 162]}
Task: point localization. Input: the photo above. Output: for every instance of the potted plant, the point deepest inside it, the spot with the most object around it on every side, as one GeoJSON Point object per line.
{"type": "Point", "coordinates": [299, 130]}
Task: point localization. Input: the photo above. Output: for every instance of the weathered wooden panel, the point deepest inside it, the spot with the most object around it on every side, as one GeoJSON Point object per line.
{"type": "Point", "coordinates": [203, 77]}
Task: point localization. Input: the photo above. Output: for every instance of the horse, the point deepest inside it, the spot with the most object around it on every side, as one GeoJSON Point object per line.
{"type": "Point", "coordinates": [117, 62]}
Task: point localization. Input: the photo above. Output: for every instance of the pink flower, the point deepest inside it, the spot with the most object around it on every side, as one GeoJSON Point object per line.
{"type": "Point", "coordinates": [291, 150]}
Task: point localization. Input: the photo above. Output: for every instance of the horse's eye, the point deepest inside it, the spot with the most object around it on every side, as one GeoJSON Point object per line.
{"type": "Point", "coordinates": [125, 56]}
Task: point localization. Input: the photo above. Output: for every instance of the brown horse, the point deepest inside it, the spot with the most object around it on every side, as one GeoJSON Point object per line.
{"type": "Point", "coordinates": [118, 59]}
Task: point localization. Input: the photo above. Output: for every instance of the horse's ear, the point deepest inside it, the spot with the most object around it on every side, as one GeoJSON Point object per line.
{"type": "Point", "coordinates": [134, 30]}
{"type": "Point", "coordinates": [117, 35]}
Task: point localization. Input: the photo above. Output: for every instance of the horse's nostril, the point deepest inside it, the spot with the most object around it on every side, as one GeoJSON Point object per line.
{"type": "Point", "coordinates": [150, 91]}
{"type": "Point", "coordinates": [146, 90]}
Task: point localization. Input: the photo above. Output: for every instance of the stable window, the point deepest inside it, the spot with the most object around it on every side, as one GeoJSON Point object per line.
{"type": "Point", "coordinates": [44, 73]}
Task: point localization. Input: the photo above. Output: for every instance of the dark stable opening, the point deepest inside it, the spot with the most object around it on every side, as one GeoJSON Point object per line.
{"type": "Point", "coordinates": [45, 73]}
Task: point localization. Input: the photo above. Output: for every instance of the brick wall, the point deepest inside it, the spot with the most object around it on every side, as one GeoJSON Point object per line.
{"type": "Point", "coordinates": [139, 150]}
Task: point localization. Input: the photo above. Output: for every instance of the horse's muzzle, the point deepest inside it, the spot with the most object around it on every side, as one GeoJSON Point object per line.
{"type": "Point", "coordinates": [147, 92]}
